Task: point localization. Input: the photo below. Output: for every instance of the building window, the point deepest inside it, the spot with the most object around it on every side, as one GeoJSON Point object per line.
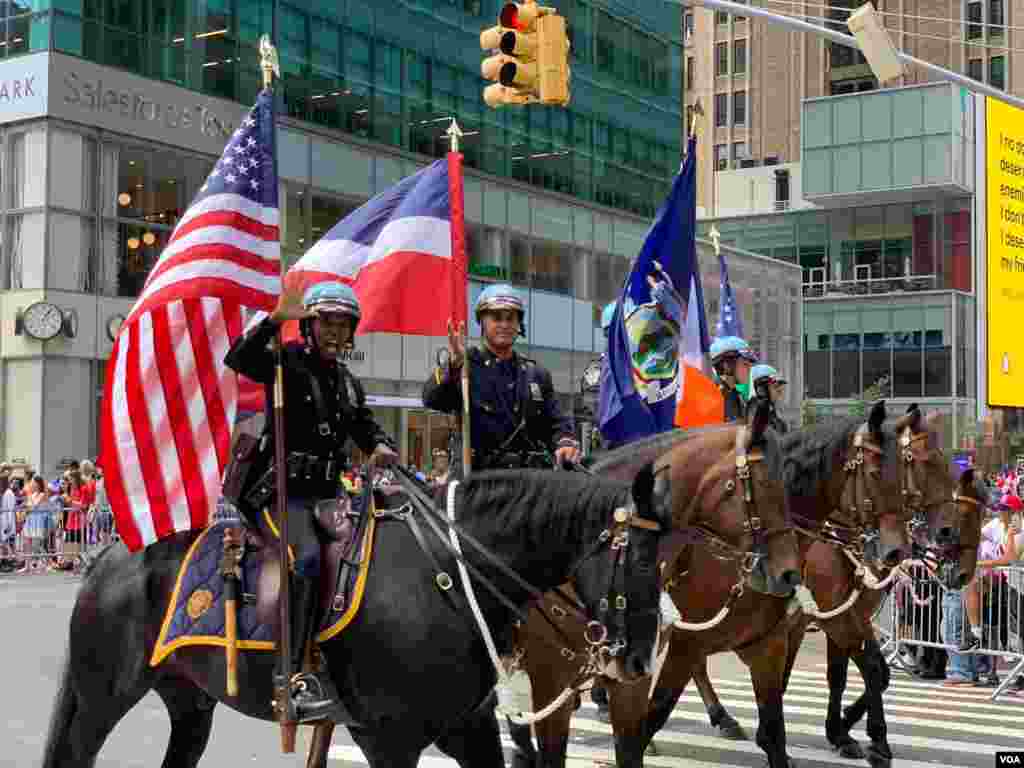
{"type": "Point", "coordinates": [781, 190]}
{"type": "Point", "coordinates": [976, 69]}
{"type": "Point", "coordinates": [691, 64]}
{"type": "Point", "coordinates": [996, 20]}
{"type": "Point", "coordinates": [739, 57]}
{"type": "Point", "coordinates": [552, 266]}
{"type": "Point", "coordinates": [739, 108]}
{"type": "Point", "coordinates": [688, 27]}
{"type": "Point", "coordinates": [721, 59]}
{"type": "Point", "coordinates": [721, 18]}
{"type": "Point", "coordinates": [721, 157]}
{"type": "Point", "coordinates": [739, 153]}
{"type": "Point", "coordinates": [974, 21]}
{"type": "Point", "coordinates": [721, 110]}
{"type": "Point", "coordinates": [997, 72]}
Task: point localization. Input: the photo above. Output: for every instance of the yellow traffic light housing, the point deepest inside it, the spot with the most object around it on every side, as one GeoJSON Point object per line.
{"type": "Point", "coordinates": [531, 61]}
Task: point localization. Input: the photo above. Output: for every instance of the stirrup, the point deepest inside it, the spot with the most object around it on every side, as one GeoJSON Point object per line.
{"type": "Point", "coordinates": [314, 698]}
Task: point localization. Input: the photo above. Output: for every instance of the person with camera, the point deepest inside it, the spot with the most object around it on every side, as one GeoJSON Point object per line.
{"type": "Point", "coordinates": [324, 405]}
{"type": "Point", "coordinates": [515, 420]}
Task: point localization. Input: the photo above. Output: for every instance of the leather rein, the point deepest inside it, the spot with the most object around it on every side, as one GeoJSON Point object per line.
{"type": "Point", "coordinates": [615, 536]}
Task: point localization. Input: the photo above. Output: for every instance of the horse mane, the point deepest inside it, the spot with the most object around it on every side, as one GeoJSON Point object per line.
{"type": "Point", "coordinates": [810, 456]}
{"type": "Point", "coordinates": [550, 504]}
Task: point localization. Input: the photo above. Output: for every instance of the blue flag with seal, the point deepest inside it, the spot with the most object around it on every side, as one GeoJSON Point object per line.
{"type": "Point", "coordinates": [658, 320]}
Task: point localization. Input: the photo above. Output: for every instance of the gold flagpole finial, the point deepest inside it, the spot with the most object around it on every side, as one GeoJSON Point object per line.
{"type": "Point", "coordinates": [698, 111]}
{"type": "Point", "coordinates": [454, 134]}
{"type": "Point", "coordinates": [268, 61]}
{"type": "Point", "coordinates": [716, 239]}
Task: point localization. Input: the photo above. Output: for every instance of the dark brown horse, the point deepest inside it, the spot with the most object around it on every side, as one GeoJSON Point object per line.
{"type": "Point", "coordinates": [943, 517]}
{"type": "Point", "coordinates": [741, 544]}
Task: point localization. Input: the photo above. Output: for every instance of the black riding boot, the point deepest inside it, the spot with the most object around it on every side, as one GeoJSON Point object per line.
{"type": "Point", "coordinates": [313, 693]}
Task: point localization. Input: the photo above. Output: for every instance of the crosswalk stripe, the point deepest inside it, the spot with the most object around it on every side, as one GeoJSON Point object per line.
{"type": "Point", "coordinates": [352, 754]}
{"type": "Point", "coordinates": [804, 695]}
{"type": "Point", "coordinates": [901, 739]}
{"type": "Point", "coordinates": [915, 685]}
{"type": "Point", "coordinates": [891, 717]}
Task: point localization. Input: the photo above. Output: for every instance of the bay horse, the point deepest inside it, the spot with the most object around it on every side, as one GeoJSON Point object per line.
{"type": "Point", "coordinates": [412, 668]}
{"type": "Point", "coordinates": [943, 517]}
{"type": "Point", "coordinates": [741, 547]}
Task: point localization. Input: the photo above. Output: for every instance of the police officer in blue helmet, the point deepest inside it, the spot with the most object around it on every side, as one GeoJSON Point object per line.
{"type": "Point", "coordinates": [515, 419]}
{"type": "Point", "coordinates": [324, 406]}
{"type": "Point", "coordinates": [732, 359]}
{"type": "Point", "coordinates": [767, 384]}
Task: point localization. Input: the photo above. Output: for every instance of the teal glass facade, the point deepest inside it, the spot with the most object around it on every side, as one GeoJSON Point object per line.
{"type": "Point", "coordinates": [393, 71]}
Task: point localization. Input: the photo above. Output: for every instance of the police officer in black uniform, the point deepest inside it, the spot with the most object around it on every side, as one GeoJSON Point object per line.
{"type": "Point", "coordinates": [767, 384]}
{"type": "Point", "coordinates": [515, 420]}
{"type": "Point", "coordinates": [324, 406]}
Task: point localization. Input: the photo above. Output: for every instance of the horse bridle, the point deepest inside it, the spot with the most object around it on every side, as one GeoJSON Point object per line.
{"type": "Point", "coordinates": [746, 558]}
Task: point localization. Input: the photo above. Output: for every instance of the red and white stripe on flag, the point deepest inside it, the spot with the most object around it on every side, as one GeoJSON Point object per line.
{"type": "Point", "coordinates": [403, 252]}
{"type": "Point", "coordinates": [170, 402]}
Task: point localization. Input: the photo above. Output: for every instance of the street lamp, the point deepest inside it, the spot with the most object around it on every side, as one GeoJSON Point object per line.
{"type": "Point", "coordinates": [875, 43]}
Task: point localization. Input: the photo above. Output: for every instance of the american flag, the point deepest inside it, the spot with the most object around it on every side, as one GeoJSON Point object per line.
{"type": "Point", "coordinates": [730, 322]}
{"type": "Point", "coordinates": [170, 402]}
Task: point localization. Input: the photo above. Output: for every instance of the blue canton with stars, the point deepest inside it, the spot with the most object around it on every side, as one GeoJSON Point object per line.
{"type": "Point", "coordinates": [247, 166]}
{"type": "Point", "coordinates": [730, 323]}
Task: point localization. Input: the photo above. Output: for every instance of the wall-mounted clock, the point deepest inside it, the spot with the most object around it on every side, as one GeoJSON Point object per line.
{"type": "Point", "coordinates": [42, 320]}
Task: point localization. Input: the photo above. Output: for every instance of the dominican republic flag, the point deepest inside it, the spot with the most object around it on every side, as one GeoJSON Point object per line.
{"type": "Point", "coordinates": [652, 373]}
{"type": "Point", "coordinates": [403, 252]}
{"type": "Point", "coordinates": [170, 403]}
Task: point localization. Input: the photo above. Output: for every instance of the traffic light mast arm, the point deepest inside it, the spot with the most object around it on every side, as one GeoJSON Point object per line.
{"type": "Point", "coordinates": [850, 42]}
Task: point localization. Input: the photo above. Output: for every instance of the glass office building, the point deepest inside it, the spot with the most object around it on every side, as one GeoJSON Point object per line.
{"type": "Point", "coordinates": [113, 112]}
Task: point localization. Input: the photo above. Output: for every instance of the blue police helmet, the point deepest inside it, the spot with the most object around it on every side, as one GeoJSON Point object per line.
{"type": "Point", "coordinates": [731, 345]}
{"type": "Point", "coordinates": [762, 371]}
{"type": "Point", "coordinates": [333, 297]}
{"type": "Point", "coordinates": [500, 297]}
{"type": "Point", "coordinates": [606, 316]}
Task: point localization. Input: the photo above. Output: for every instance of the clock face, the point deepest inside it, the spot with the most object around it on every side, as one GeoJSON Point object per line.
{"type": "Point", "coordinates": [43, 320]}
{"type": "Point", "coordinates": [114, 325]}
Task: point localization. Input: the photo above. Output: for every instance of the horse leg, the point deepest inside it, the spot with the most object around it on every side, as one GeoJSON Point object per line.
{"type": "Point", "coordinates": [553, 735]}
{"type": "Point", "coordinates": [876, 673]}
{"type": "Point", "coordinates": [191, 711]}
{"type": "Point", "coordinates": [837, 731]}
{"type": "Point", "coordinates": [767, 675]}
{"type": "Point", "coordinates": [475, 742]}
{"type": "Point", "coordinates": [386, 749]}
{"type": "Point", "coordinates": [720, 718]}
{"type": "Point", "coordinates": [628, 711]}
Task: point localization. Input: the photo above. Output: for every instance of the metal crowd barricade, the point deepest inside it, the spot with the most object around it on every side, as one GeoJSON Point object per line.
{"type": "Point", "coordinates": [912, 615]}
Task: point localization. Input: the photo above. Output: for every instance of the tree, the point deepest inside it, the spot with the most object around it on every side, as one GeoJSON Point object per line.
{"type": "Point", "coordinates": [877, 391]}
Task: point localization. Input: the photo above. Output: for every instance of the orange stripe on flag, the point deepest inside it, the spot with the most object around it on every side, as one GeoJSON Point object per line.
{"type": "Point", "coordinates": [701, 403]}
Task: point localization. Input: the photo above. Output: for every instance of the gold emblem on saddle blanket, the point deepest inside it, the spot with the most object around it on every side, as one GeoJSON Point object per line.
{"type": "Point", "coordinates": [199, 602]}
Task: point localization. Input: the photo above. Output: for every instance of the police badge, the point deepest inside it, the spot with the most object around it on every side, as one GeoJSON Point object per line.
{"type": "Point", "coordinates": [535, 392]}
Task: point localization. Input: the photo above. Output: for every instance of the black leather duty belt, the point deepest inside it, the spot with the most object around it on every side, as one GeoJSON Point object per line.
{"type": "Point", "coordinates": [314, 471]}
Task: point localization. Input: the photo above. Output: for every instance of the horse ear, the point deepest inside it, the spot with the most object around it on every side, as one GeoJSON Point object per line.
{"type": "Point", "coordinates": [877, 418]}
{"type": "Point", "coordinates": [967, 480]}
{"type": "Point", "coordinates": [759, 423]}
{"type": "Point", "coordinates": [643, 485]}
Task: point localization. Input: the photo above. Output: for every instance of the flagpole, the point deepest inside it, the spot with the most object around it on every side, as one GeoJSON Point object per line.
{"type": "Point", "coordinates": [454, 134]}
{"type": "Point", "coordinates": [282, 683]}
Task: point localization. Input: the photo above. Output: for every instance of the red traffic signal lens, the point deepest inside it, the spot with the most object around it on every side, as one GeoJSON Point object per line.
{"type": "Point", "coordinates": [509, 16]}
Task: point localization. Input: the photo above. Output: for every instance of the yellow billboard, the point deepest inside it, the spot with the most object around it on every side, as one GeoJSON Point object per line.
{"type": "Point", "coordinates": [1004, 196]}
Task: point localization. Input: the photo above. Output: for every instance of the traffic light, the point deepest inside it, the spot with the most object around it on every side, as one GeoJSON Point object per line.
{"type": "Point", "coordinates": [531, 63]}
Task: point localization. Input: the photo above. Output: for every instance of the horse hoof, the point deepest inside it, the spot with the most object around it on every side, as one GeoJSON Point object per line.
{"type": "Point", "coordinates": [850, 750]}
{"type": "Point", "coordinates": [733, 731]}
{"type": "Point", "coordinates": [877, 758]}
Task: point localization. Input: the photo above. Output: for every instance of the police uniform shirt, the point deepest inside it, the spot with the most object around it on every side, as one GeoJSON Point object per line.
{"type": "Point", "coordinates": [343, 398]}
{"type": "Point", "coordinates": [500, 390]}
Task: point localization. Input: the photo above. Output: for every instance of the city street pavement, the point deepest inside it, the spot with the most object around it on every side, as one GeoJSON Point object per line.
{"type": "Point", "coordinates": [928, 725]}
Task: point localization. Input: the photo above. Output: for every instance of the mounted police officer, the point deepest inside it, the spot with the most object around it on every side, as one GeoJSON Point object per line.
{"type": "Point", "coordinates": [732, 358]}
{"type": "Point", "coordinates": [324, 405]}
{"type": "Point", "coordinates": [515, 420]}
{"type": "Point", "coordinates": [767, 384]}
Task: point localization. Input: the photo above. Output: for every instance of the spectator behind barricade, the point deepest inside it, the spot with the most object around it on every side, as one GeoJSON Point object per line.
{"type": "Point", "coordinates": [88, 472]}
{"type": "Point", "coordinates": [999, 546]}
{"type": "Point", "coordinates": [74, 501]}
{"type": "Point", "coordinates": [37, 524]}
{"type": "Point", "coordinates": [8, 517]}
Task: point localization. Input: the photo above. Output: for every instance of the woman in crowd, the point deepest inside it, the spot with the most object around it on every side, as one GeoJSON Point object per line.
{"type": "Point", "coordinates": [37, 524]}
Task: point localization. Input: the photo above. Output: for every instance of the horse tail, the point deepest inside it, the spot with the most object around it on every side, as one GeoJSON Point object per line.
{"type": "Point", "coordinates": [64, 711]}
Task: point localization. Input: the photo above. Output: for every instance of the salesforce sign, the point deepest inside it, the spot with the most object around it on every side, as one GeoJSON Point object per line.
{"type": "Point", "coordinates": [82, 92]}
